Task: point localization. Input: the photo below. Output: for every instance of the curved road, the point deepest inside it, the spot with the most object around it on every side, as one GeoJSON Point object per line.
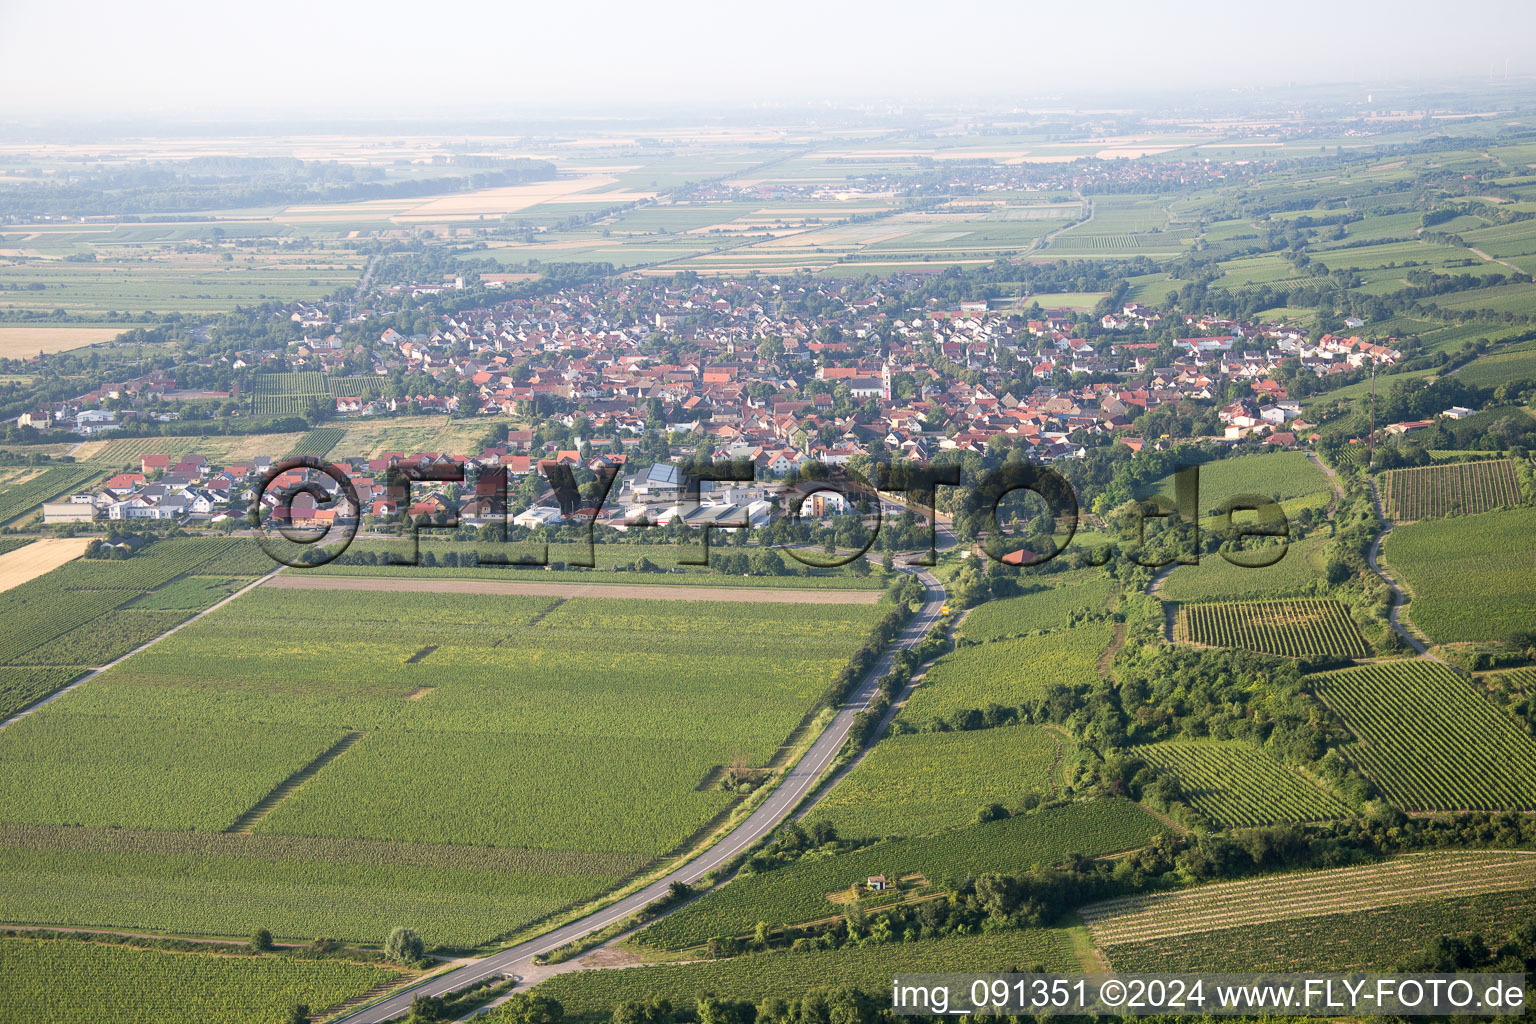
{"type": "Point", "coordinates": [1373, 558]}
{"type": "Point", "coordinates": [799, 782]}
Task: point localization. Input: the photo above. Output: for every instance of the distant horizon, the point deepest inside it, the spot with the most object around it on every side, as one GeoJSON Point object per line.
{"type": "Point", "coordinates": [1463, 94]}
{"type": "Point", "coordinates": [176, 62]}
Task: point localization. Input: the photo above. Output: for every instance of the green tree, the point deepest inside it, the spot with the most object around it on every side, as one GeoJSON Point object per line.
{"type": "Point", "coordinates": [404, 946]}
{"type": "Point", "coordinates": [261, 940]}
{"type": "Point", "coordinates": [427, 1008]}
{"type": "Point", "coordinates": [525, 1008]}
{"type": "Point", "coordinates": [299, 1014]}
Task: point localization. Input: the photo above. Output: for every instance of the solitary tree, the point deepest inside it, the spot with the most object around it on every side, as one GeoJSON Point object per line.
{"type": "Point", "coordinates": [261, 940]}
{"type": "Point", "coordinates": [404, 946]}
{"type": "Point", "coordinates": [299, 1014]}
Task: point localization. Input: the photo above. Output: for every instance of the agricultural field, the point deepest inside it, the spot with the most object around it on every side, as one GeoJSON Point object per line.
{"type": "Point", "coordinates": [1429, 492]}
{"type": "Point", "coordinates": [924, 782]}
{"type": "Point", "coordinates": [613, 563]}
{"type": "Point", "coordinates": [1405, 879]}
{"type": "Point", "coordinates": [1235, 784]}
{"type": "Point", "coordinates": [1430, 741]}
{"type": "Point", "coordinates": [64, 979]}
{"type": "Point", "coordinates": [1215, 578]}
{"type": "Point", "coordinates": [86, 612]}
{"type": "Point", "coordinates": [1331, 939]}
{"type": "Point", "coordinates": [219, 449]}
{"type": "Point", "coordinates": [215, 883]}
{"type": "Point", "coordinates": [292, 394]}
{"type": "Point", "coordinates": [26, 342]}
{"type": "Point", "coordinates": [592, 995]}
{"type": "Point", "coordinates": [32, 489]}
{"type": "Point", "coordinates": [1007, 672]}
{"type": "Point", "coordinates": [800, 891]}
{"type": "Point", "coordinates": [23, 559]}
{"type": "Point", "coordinates": [1290, 478]}
{"type": "Point", "coordinates": [488, 685]}
{"type": "Point", "coordinates": [57, 769]}
{"type": "Point", "coordinates": [1471, 579]}
{"type": "Point", "coordinates": [162, 279]}
{"type": "Point", "coordinates": [1051, 607]}
{"type": "Point", "coordinates": [319, 442]}
{"type": "Point", "coordinates": [1302, 628]}
{"type": "Point", "coordinates": [1495, 368]}
{"type": "Point", "coordinates": [370, 438]}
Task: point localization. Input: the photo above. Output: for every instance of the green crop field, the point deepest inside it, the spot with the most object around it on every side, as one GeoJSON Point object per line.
{"type": "Point", "coordinates": [1433, 491]}
{"type": "Point", "coordinates": [1007, 672]}
{"type": "Point", "coordinates": [452, 731]}
{"type": "Point", "coordinates": [1235, 784]}
{"type": "Point", "coordinates": [922, 782]}
{"type": "Point", "coordinates": [88, 612]}
{"type": "Point", "coordinates": [218, 884]}
{"type": "Point", "coordinates": [798, 892]}
{"type": "Point", "coordinates": [646, 676]}
{"type": "Point", "coordinates": [1472, 578]}
{"type": "Point", "coordinates": [1497, 367]}
{"type": "Point", "coordinates": [163, 280]}
{"type": "Point", "coordinates": [1215, 578]}
{"type": "Point", "coordinates": [1362, 940]}
{"type": "Point", "coordinates": [58, 767]}
{"type": "Point", "coordinates": [219, 449]}
{"type": "Point", "coordinates": [22, 686]}
{"type": "Point", "coordinates": [319, 442]}
{"type": "Point", "coordinates": [592, 995]}
{"type": "Point", "coordinates": [1048, 608]}
{"type": "Point", "coordinates": [1287, 477]}
{"type": "Point", "coordinates": [20, 498]}
{"type": "Point", "coordinates": [1291, 629]}
{"type": "Point", "coordinates": [613, 564]}
{"type": "Point", "coordinates": [1225, 925]}
{"type": "Point", "coordinates": [66, 980]}
{"type": "Point", "coordinates": [1430, 741]}
{"type": "Point", "coordinates": [190, 592]}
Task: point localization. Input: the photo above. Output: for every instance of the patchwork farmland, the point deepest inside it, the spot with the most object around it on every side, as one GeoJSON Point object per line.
{"type": "Point", "coordinates": [799, 891]}
{"type": "Point", "coordinates": [334, 775]}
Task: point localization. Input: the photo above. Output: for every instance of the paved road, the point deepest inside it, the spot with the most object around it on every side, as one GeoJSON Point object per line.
{"type": "Point", "coordinates": [800, 780]}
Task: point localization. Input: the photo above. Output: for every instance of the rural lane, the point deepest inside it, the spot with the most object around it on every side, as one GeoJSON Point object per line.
{"type": "Point", "coordinates": [515, 960]}
{"type": "Point", "coordinates": [1373, 558]}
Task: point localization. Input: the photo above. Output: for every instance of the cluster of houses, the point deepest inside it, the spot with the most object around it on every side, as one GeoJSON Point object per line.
{"type": "Point", "coordinates": [741, 370]}
{"type": "Point", "coordinates": [191, 492]}
{"type": "Point", "coordinates": [930, 379]}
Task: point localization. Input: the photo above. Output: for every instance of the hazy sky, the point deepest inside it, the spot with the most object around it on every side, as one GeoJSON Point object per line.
{"type": "Point", "coordinates": [171, 58]}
